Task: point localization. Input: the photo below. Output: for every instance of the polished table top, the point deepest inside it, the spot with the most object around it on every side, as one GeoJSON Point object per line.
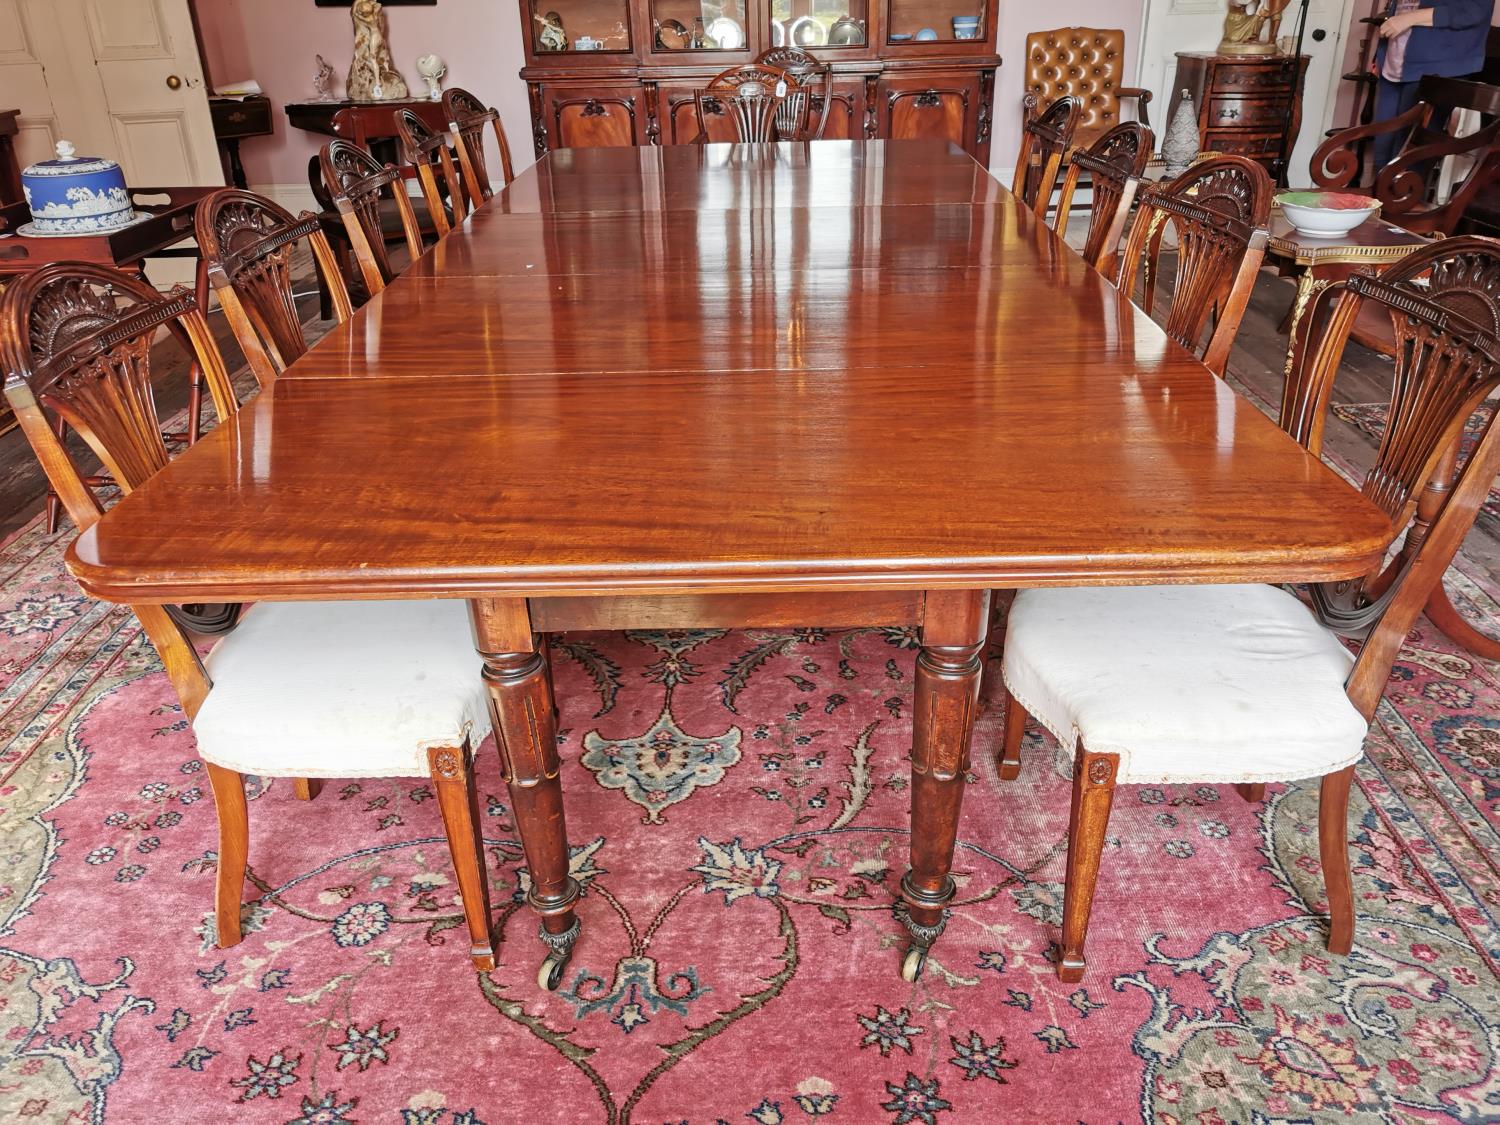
{"type": "Point", "coordinates": [849, 365]}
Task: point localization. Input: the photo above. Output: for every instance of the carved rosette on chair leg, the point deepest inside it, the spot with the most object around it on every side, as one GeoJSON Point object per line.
{"type": "Point", "coordinates": [522, 712]}
{"type": "Point", "coordinates": [947, 695]}
{"type": "Point", "coordinates": [458, 800]}
{"type": "Point", "coordinates": [1093, 794]}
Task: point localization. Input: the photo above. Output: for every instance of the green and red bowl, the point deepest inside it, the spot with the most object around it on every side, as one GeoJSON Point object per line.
{"type": "Point", "coordinates": [1326, 214]}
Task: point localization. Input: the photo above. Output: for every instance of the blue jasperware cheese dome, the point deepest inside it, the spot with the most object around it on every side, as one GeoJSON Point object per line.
{"type": "Point", "coordinates": [76, 194]}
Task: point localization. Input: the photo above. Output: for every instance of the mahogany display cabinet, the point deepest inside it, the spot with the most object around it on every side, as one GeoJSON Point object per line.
{"type": "Point", "coordinates": [623, 72]}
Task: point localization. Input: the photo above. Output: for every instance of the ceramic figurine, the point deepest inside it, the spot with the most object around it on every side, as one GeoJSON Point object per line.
{"type": "Point", "coordinates": [323, 81]}
{"type": "Point", "coordinates": [432, 69]}
{"type": "Point", "coordinates": [75, 195]}
{"type": "Point", "coordinates": [372, 68]}
{"type": "Point", "coordinates": [552, 36]}
{"type": "Point", "coordinates": [1180, 145]}
{"type": "Point", "coordinates": [1243, 25]}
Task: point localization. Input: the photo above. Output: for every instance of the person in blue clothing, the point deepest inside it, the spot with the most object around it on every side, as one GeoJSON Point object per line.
{"type": "Point", "coordinates": [1419, 38]}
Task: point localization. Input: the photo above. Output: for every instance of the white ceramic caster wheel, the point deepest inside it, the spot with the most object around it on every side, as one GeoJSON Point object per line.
{"type": "Point", "coordinates": [550, 975]}
{"type": "Point", "coordinates": [913, 964]}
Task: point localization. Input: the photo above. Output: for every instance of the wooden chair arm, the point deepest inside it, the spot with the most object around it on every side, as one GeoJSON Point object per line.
{"type": "Point", "coordinates": [1142, 98]}
{"type": "Point", "coordinates": [1401, 186]}
{"type": "Point", "coordinates": [1335, 163]}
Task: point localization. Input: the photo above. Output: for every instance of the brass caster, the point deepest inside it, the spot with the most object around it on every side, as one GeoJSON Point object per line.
{"type": "Point", "coordinates": [550, 975]}
{"type": "Point", "coordinates": [560, 949]}
{"type": "Point", "coordinates": [913, 963]}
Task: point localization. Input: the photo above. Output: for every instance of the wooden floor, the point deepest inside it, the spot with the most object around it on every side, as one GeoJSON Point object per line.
{"type": "Point", "coordinates": [1257, 362]}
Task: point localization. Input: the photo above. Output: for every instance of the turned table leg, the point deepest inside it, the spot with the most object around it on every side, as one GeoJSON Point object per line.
{"type": "Point", "coordinates": [521, 709]}
{"type": "Point", "coordinates": [947, 695]}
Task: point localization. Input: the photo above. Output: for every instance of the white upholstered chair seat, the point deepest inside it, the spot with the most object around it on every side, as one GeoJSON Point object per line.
{"type": "Point", "coordinates": [1186, 683]}
{"type": "Point", "coordinates": [342, 689]}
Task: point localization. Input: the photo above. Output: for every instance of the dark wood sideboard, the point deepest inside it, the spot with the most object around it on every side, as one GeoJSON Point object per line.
{"type": "Point", "coordinates": [234, 121]}
{"type": "Point", "coordinates": [1242, 101]}
{"type": "Point", "coordinates": [636, 87]}
{"type": "Point", "coordinates": [10, 163]}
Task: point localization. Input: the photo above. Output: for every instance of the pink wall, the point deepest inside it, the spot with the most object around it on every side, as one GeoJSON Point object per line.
{"type": "Point", "coordinates": [274, 41]}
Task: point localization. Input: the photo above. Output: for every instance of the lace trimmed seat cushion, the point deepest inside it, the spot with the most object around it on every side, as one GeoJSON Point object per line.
{"type": "Point", "coordinates": [342, 689]}
{"type": "Point", "coordinates": [1219, 684]}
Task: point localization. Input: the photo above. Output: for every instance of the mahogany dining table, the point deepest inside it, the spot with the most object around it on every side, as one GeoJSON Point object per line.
{"type": "Point", "coordinates": [836, 384]}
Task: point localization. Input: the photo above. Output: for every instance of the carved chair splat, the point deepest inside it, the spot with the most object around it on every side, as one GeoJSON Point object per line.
{"type": "Point", "coordinates": [1444, 305]}
{"type": "Point", "coordinates": [1218, 209]}
{"type": "Point", "coordinates": [247, 243]}
{"type": "Point", "coordinates": [358, 183]}
{"type": "Point", "coordinates": [762, 103]}
{"type": "Point", "coordinates": [813, 84]}
{"type": "Point", "coordinates": [427, 151]}
{"type": "Point", "coordinates": [76, 339]}
{"type": "Point", "coordinates": [1114, 165]}
{"type": "Point", "coordinates": [1045, 137]}
{"type": "Point", "coordinates": [467, 117]}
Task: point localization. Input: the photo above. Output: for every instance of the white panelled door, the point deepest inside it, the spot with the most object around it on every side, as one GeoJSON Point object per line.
{"type": "Point", "coordinates": [23, 84]}
{"type": "Point", "coordinates": [151, 84]}
{"type": "Point", "coordinates": [118, 78]}
{"type": "Point", "coordinates": [1198, 25]}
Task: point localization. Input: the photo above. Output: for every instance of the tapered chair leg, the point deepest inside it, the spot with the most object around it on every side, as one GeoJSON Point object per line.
{"type": "Point", "coordinates": [307, 788]}
{"type": "Point", "coordinates": [1333, 849]}
{"type": "Point", "coordinates": [234, 850]}
{"type": "Point", "coordinates": [1009, 762]}
{"type": "Point", "coordinates": [453, 778]}
{"type": "Point", "coordinates": [1254, 791]}
{"type": "Point", "coordinates": [1093, 795]}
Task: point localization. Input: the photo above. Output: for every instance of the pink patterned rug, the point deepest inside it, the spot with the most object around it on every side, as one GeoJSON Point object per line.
{"type": "Point", "coordinates": [738, 805]}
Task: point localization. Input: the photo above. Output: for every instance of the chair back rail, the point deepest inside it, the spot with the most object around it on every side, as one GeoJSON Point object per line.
{"type": "Point", "coordinates": [427, 151]}
{"type": "Point", "coordinates": [759, 101]}
{"type": "Point", "coordinates": [1404, 186]}
{"type": "Point", "coordinates": [1114, 165]}
{"type": "Point", "coordinates": [814, 82]}
{"type": "Point", "coordinates": [467, 117]}
{"type": "Point", "coordinates": [357, 183]}
{"type": "Point", "coordinates": [75, 340]}
{"type": "Point", "coordinates": [247, 243]}
{"type": "Point", "coordinates": [1045, 137]}
{"type": "Point", "coordinates": [1218, 209]}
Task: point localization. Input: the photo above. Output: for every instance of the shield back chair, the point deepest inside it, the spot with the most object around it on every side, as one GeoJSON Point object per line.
{"type": "Point", "coordinates": [1086, 63]}
{"type": "Point", "coordinates": [1245, 684]}
{"type": "Point", "coordinates": [358, 185]}
{"type": "Point", "coordinates": [1405, 186]}
{"type": "Point", "coordinates": [1046, 137]}
{"type": "Point", "coordinates": [427, 151]}
{"type": "Point", "coordinates": [1114, 164]}
{"type": "Point", "coordinates": [467, 117]}
{"type": "Point", "coordinates": [1219, 210]}
{"type": "Point", "coordinates": [247, 243]}
{"type": "Point", "coordinates": [752, 104]}
{"type": "Point", "coordinates": [813, 82]}
{"type": "Point", "coordinates": [301, 690]}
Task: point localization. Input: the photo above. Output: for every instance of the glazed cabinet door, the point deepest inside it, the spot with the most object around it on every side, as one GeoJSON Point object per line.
{"type": "Point", "coordinates": [942, 107]}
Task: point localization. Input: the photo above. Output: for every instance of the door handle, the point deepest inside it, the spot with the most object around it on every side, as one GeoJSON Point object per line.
{"type": "Point", "coordinates": [173, 82]}
{"type": "Point", "coordinates": [1318, 35]}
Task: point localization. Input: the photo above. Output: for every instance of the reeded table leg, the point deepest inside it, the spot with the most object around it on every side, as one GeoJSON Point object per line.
{"type": "Point", "coordinates": [521, 709]}
{"type": "Point", "coordinates": [947, 695]}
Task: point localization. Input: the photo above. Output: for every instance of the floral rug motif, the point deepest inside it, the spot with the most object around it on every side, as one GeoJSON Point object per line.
{"type": "Point", "coordinates": [737, 802]}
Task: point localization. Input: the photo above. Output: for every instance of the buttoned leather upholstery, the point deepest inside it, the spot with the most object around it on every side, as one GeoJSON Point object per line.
{"type": "Point", "coordinates": [1088, 63]}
